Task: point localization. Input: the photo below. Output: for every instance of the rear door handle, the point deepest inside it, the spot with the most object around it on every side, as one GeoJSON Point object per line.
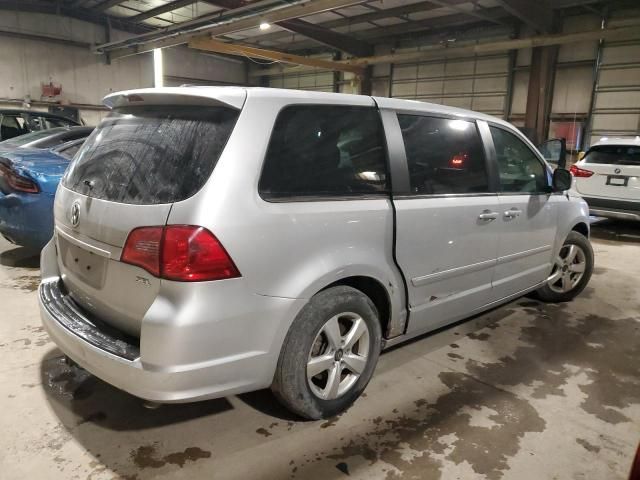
{"type": "Point", "coordinates": [513, 213]}
{"type": "Point", "coordinates": [488, 215]}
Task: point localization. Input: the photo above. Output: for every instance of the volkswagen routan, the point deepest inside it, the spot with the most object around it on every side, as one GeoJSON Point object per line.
{"type": "Point", "coordinates": [211, 241]}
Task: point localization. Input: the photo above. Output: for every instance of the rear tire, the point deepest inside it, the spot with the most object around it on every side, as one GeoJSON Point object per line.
{"type": "Point", "coordinates": [329, 354]}
{"type": "Point", "coordinates": [571, 271]}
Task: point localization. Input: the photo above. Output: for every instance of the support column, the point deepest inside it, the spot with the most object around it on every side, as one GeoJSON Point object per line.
{"type": "Point", "coordinates": [541, 77]}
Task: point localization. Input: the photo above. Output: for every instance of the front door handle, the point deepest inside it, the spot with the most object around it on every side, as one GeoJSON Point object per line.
{"type": "Point", "coordinates": [488, 215]}
{"type": "Point", "coordinates": [513, 213]}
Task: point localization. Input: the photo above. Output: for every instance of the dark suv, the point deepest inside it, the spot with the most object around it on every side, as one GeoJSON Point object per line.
{"type": "Point", "coordinates": [19, 122]}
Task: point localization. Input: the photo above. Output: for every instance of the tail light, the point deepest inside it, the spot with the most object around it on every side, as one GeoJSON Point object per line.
{"type": "Point", "coordinates": [17, 182]}
{"type": "Point", "coordinates": [580, 172]}
{"type": "Point", "coordinates": [184, 253]}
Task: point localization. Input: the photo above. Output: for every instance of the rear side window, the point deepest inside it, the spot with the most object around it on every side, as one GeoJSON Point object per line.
{"type": "Point", "coordinates": [614, 155]}
{"type": "Point", "coordinates": [151, 154]}
{"type": "Point", "coordinates": [444, 156]}
{"type": "Point", "coordinates": [520, 169]}
{"type": "Point", "coordinates": [325, 151]}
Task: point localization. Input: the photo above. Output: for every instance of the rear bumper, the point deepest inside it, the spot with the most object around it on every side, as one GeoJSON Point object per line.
{"type": "Point", "coordinates": [237, 359]}
{"type": "Point", "coordinates": [612, 208]}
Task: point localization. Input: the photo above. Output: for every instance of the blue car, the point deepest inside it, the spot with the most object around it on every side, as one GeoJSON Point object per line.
{"type": "Point", "coordinates": [29, 178]}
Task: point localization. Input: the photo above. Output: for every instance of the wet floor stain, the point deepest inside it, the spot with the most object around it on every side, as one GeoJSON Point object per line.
{"type": "Point", "coordinates": [264, 432]}
{"type": "Point", "coordinates": [70, 383]}
{"type": "Point", "coordinates": [147, 456]}
{"type": "Point", "coordinates": [587, 446]}
{"type": "Point", "coordinates": [557, 343]}
{"type": "Point", "coordinates": [480, 423]}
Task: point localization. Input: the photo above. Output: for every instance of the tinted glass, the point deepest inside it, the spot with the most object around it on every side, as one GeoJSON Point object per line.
{"type": "Point", "coordinates": [444, 156]}
{"type": "Point", "coordinates": [319, 151]}
{"type": "Point", "coordinates": [9, 127]}
{"type": "Point", "coordinates": [52, 122]}
{"type": "Point", "coordinates": [69, 152]}
{"type": "Point", "coordinates": [30, 137]}
{"type": "Point", "coordinates": [614, 155]}
{"type": "Point", "coordinates": [151, 155]}
{"type": "Point", "coordinates": [519, 168]}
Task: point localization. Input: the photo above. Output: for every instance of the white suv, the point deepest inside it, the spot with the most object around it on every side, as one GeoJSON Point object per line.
{"type": "Point", "coordinates": [608, 178]}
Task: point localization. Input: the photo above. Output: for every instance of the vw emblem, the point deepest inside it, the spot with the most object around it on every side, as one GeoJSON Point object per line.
{"type": "Point", "coordinates": [75, 214]}
{"type": "Point", "coordinates": [617, 170]}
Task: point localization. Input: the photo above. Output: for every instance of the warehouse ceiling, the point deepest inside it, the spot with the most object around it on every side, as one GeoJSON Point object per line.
{"type": "Point", "coordinates": [350, 26]}
{"type": "Point", "coordinates": [289, 31]}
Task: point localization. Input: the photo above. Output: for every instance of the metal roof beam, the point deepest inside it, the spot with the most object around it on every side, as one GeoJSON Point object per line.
{"type": "Point", "coordinates": [221, 25]}
{"type": "Point", "coordinates": [166, 8]}
{"type": "Point", "coordinates": [339, 41]}
{"type": "Point", "coordinates": [538, 15]}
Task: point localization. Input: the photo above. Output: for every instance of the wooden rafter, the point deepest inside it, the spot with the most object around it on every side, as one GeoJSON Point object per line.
{"type": "Point", "coordinates": [208, 44]}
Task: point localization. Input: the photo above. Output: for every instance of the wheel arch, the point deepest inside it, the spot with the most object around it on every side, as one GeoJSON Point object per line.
{"type": "Point", "coordinates": [377, 293]}
{"type": "Point", "coordinates": [582, 228]}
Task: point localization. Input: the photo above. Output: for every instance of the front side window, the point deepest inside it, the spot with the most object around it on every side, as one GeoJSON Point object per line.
{"type": "Point", "coordinates": [325, 151]}
{"type": "Point", "coordinates": [520, 169]}
{"type": "Point", "coordinates": [444, 156]}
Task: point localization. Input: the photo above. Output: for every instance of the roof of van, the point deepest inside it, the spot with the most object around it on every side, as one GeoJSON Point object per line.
{"type": "Point", "coordinates": [235, 97]}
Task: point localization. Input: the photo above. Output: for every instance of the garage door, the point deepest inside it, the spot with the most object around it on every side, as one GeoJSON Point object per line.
{"type": "Point", "coordinates": [477, 83]}
{"type": "Point", "coordinates": [316, 81]}
{"type": "Point", "coordinates": [616, 108]}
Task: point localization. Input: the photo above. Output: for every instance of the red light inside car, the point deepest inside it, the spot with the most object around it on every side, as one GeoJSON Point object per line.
{"type": "Point", "coordinates": [459, 160]}
{"type": "Point", "coordinates": [184, 253]}
{"type": "Point", "coordinates": [580, 172]}
{"type": "Point", "coordinates": [17, 182]}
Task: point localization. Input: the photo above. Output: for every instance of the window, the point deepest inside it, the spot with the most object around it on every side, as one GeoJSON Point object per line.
{"type": "Point", "coordinates": [53, 122]}
{"type": "Point", "coordinates": [519, 168]}
{"type": "Point", "coordinates": [614, 155]}
{"type": "Point", "coordinates": [9, 127]}
{"type": "Point", "coordinates": [324, 151]}
{"type": "Point", "coordinates": [151, 154]}
{"type": "Point", "coordinates": [444, 155]}
{"type": "Point", "coordinates": [69, 152]}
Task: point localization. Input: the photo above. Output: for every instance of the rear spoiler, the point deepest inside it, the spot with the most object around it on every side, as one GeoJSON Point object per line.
{"type": "Point", "coordinates": [232, 97]}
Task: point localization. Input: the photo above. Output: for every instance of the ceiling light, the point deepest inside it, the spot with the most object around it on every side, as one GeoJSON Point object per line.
{"type": "Point", "coordinates": [265, 26]}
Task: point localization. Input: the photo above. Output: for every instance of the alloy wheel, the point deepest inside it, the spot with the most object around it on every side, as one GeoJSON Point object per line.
{"type": "Point", "coordinates": [338, 355]}
{"type": "Point", "coordinates": [568, 269]}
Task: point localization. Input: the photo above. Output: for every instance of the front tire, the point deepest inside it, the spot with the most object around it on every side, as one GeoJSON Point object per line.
{"type": "Point", "coordinates": [329, 354]}
{"type": "Point", "coordinates": [571, 271]}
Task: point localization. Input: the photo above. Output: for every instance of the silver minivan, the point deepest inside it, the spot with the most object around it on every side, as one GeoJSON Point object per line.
{"type": "Point", "coordinates": [216, 240]}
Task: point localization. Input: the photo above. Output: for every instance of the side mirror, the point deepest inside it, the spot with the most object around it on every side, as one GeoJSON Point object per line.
{"type": "Point", "coordinates": [555, 152]}
{"type": "Point", "coordinates": [581, 155]}
{"type": "Point", "coordinates": [561, 180]}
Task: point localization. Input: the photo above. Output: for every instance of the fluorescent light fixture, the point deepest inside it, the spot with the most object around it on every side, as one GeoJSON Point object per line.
{"type": "Point", "coordinates": [265, 26]}
{"type": "Point", "coordinates": [158, 71]}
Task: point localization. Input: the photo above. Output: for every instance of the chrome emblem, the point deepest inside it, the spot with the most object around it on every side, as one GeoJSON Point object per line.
{"type": "Point", "coordinates": [143, 281]}
{"type": "Point", "coordinates": [75, 214]}
{"type": "Point", "coordinates": [617, 170]}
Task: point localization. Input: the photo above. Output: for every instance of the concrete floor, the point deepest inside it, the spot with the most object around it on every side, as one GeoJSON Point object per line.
{"type": "Point", "coordinates": [526, 391]}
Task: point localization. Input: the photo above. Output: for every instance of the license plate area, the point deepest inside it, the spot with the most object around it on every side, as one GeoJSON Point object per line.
{"type": "Point", "coordinates": [85, 265]}
{"type": "Point", "coordinates": [617, 180]}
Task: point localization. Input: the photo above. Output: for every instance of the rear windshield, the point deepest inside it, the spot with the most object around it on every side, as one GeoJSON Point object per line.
{"type": "Point", "coordinates": [31, 137]}
{"type": "Point", "coordinates": [614, 155]}
{"type": "Point", "coordinates": [151, 154]}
